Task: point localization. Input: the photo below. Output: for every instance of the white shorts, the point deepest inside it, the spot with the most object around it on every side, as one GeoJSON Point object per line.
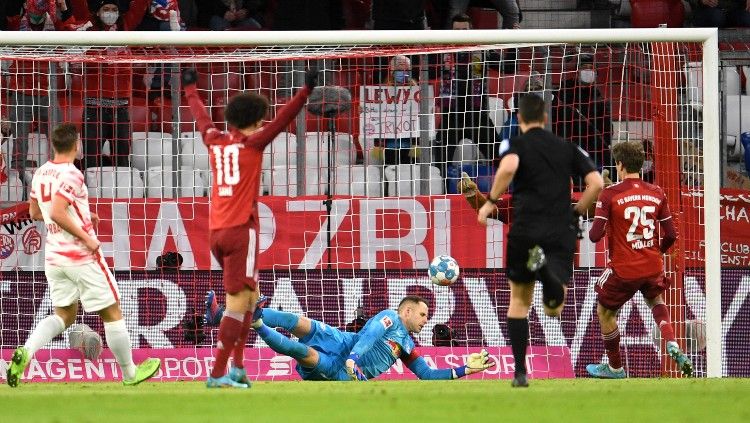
{"type": "Point", "coordinates": [92, 283]}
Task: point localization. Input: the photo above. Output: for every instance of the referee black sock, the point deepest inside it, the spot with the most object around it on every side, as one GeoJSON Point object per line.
{"type": "Point", "coordinates": [518, 331]}
{"type": "Point", "coordinates": [553, 293]}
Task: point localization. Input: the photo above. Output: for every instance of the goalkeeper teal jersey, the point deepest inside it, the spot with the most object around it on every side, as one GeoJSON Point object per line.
{"type": "Point", "coordinates": [382, 341]}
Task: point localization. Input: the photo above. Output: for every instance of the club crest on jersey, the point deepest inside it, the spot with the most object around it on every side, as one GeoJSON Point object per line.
{"type": "Point", "coordinates": [395, 348]}
{"type": "Point", "coordinates": [386, 322]}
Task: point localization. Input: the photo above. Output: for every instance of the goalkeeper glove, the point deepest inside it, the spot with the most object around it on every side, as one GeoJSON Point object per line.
{"type": "Point", "coordinates": [311, 78]}
{"type": "Point", "coordinates": [478, 362]}
{"type": "Point", "coordinates": [189, 77]}
{"type": "Point", "coordinates": [352, 369]}
{"type": "Point", "coordinates": [466, 186]}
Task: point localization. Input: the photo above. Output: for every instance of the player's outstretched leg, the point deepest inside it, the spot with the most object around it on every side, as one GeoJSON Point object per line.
{"type": "Point", "coordinates": [43, 333]}
{"type": "Point", "coordinates": [144, 371]}
{"type": "Point", "coordinates": [661, 316]}
{"type": "Point", "coordinates": [18, 363]}
{"type": "Point", "coordinates": [237, 371]}
{"type": "Point", "coordinates": [683, 362]}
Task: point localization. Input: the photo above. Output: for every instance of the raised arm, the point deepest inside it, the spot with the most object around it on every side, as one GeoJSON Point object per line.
{"type": "Point", "coordinates": [201, 116]}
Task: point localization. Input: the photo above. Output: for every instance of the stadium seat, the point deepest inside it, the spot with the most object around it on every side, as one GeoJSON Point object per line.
{"type": "Point", "coordinates": [497, 112]}
{"type": "Point", "coordinates": [358, 180]}
{"type": "Point", "coordinates": [193, 152]}
{"type": "Point", "coordinates": [404, 180]}
{"type": "Point", "coordinates": [151, 149]}
{"type": "Point", "coordinates": [694, 79]}
{"type": "Point", "coordinates": [282, 180]}
{"type": "Point", "coordinates": [732, 80]}
{"type": "Point", "coordinates": [316, 149]}
{"type": "Point", "coordinates": [39, 149]}
{"type": "Point", "coordinates": [738, 115]}
{"type": "Point", "coordinates": [114, 182]}
{"type": "Point", "coordinates": [652, 13]}
{"type": "Point", "coordinates": [281, 152]}
{"type": "Point", "coordinates": [12, 189]}
{"type": "Point", "coordinates": [161, 181]}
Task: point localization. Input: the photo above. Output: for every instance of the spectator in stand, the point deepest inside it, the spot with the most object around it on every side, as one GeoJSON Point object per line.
{"type": "Point", "coordinates": [721, 13]}
{"type": "Point", "coordinates": [398, 150]}
{"type": "Point", "coordinates": [162, 15]}
{"type": "Point", "coordinates": [463, 100]}
{"type": "Point", "coordinates": [231, 14]}
{"type": "Point", "coordinates": [581, 113]}
{"type": "Point", "coordinates": [29, 81]}
{"type": "Point", "coordinates": [108, 88]}
{"type": "Point", "coordinates": [10, 14]}
{"type": "Point", "coordinates": [535, 85]}
{"type": "Point", "coordinates": [508, 9]}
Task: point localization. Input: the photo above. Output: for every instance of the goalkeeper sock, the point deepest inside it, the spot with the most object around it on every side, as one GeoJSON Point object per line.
{"type": "Point", "coordinates": [45, 331]}
{"type": "Point", "coordinates": [612, 347]}
{"type": "Point", "coordinates": [518, 331]}
{"type": "Point", "coordinates": [281, 344]}
{"type": "Point", "coordinates": [239, 346]}
{"type": "Point", "coordinates": [280, 319]}
{"type": "Point", "coordinates": [118, 342]}
{"type": "Point", "coordinates": [230, 329]}
{"type": "Point", "coordinates": [661, 317]}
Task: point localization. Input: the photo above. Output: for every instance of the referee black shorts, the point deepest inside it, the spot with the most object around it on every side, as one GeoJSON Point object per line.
{"type": "Point", "coordinates": [558, 243]}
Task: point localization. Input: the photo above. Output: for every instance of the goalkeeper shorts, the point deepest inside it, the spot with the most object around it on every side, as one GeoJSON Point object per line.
{"type": "Point", "coordinates": [333, 347]}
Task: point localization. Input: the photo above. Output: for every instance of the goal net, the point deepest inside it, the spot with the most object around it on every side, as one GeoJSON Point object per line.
{"type": "Point", "coordinates": [353, 207]}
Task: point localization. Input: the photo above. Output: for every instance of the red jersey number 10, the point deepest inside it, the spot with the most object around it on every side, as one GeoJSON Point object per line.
{"type": "Point", "coordinates": [227, 160]}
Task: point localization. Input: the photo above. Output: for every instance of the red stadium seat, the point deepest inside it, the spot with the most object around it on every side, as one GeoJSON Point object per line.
{"type": "Point", "coordinates": [652, 13]}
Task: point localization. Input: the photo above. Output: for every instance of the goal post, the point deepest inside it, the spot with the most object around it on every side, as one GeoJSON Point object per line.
{"type": "Point", "coordinates": [379, 234]}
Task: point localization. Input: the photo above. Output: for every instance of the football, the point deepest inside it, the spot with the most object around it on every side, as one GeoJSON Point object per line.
{"type": "Point", "coordinates": [443, 270]}
{"type": "Point", "coordinates": [85, 340]}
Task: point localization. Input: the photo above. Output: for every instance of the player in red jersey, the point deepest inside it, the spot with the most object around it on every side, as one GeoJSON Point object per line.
{"type": "Point", "coordinates": [235, 158]}
{"type": "Point", "coordinates": [634, 214]}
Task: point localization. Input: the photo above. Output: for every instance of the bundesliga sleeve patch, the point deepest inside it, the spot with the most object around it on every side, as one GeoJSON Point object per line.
{"type": "Point", "coordinates": [386, 322]}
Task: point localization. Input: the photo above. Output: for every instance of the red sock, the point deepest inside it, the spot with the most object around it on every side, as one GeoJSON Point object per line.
{"type": "Point", "coordinates": [612, 346]}
{"type": "Point", "coordinates": [661, 317]}
{"type": "Point", "coordinates": [229, 331]}
{"type": "Point", "coordinates": [239, 347]}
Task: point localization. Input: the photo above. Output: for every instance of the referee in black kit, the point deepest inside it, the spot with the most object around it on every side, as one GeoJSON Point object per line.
{"type": "Point", "coordinates": [542, 236]}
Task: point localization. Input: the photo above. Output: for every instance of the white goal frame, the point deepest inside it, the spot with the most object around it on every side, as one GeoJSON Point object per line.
{"type": "Point", "coordinates": [708, 37]}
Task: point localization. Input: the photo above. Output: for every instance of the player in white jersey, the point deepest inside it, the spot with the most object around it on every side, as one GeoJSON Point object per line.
{"type": "Point", "coordinates": [74, 265]}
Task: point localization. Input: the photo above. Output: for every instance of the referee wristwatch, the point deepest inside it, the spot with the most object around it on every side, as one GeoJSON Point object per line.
{"type": "Point", "coordinates": [492, 200]}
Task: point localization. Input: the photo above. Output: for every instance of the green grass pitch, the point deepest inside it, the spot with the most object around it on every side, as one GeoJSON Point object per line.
{"type": "Point", "coordinates": [581, 400]}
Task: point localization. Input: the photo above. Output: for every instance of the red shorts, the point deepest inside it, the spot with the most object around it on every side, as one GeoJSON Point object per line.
{"type": "Point", "coordinates": [613, 291]}
{"type": "Point", "coordinates": [236, 250]}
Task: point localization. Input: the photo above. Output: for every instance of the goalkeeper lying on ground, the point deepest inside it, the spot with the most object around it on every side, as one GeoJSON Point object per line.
{"type": "Point", "coordinates": [326, 353]}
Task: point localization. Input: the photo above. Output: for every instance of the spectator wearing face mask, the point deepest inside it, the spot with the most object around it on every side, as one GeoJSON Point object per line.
{"type": "Point", "coordinates": [582, 115]}
{"type": "Point", "coordinates": [397, 150]}
{"type": "Point", "coordinates": [535, 85]}
{"type": "Point", "coordinates": [109, 88]}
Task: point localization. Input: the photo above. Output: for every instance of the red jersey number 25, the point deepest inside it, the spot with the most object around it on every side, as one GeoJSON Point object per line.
{"type": "Point", "coordinates": [227, 165]}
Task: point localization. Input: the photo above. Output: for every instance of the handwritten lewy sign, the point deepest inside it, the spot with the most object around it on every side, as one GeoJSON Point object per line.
{"type": "Point", "coordinates": [388, 112]}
